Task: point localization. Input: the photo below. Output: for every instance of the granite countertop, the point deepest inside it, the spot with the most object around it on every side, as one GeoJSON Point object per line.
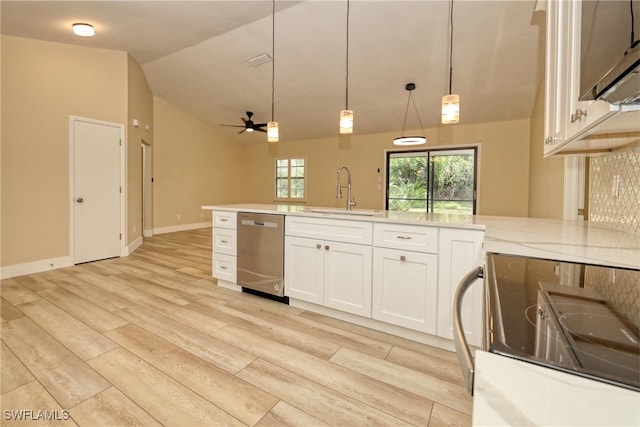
{"type": "Point", "coordinates": [562, 240]}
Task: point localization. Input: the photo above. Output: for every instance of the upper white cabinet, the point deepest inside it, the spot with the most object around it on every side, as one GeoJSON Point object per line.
{"type": "Point", "coordinates": [460, 251]}
{"type": "Point", "coordinates": [573, 126]}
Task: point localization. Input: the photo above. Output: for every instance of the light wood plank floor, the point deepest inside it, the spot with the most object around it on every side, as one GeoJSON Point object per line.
{"type": "Point", "coordinates": [151, 340]}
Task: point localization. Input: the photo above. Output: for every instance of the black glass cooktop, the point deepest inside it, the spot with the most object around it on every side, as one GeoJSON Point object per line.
{"type": "Point", "coordinates": [578, 318]}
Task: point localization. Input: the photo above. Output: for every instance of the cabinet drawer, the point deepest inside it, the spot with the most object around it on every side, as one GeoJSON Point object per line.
{"type": "Point", "coordinates": [407, 237]}
{"type": "Point", "coordinates": [225, 241]}
{"type": "Point", "coordinates": [225, 219]}
{"type": "Point", "coordinates": [337, 230]}
{"type": "Point", "coordinates": [224, 267]}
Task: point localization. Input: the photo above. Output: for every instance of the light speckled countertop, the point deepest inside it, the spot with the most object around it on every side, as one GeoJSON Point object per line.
{"type": "Point", "coordinates": [576, 241]}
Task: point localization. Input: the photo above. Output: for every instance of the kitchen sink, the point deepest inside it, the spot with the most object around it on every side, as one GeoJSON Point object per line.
{"type": "Point", "coordinates": [362, 212]}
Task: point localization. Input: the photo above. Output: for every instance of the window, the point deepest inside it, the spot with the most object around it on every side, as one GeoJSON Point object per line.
{"type": "Point", "coordinates": [290, 179]}
{"type": "Point", "coordinates": [441, 181]}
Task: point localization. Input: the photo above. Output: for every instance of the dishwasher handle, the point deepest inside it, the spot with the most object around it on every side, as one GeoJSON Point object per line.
{"type": "Point", "coordinates": [463, 350]}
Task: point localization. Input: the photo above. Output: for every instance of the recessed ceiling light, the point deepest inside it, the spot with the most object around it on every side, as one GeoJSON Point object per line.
{"type": "Point", "coordinates": [83, 30]}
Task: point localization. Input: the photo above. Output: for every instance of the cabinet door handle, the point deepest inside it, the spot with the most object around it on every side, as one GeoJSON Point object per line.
{"type": "Point", "coordinates": [578, 115]}
{"type": "Point", "coordinates": [318, 246]}
{"type": "Point", "coordinates": [404, 237]}
{"type": "Point", "coordinates": [326, 247]}
{"type": "Point", "coordinates": [403, 258]}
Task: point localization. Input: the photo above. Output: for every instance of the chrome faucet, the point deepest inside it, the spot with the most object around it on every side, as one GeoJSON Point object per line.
{"type": "Point", "coordinates": [350, 202]}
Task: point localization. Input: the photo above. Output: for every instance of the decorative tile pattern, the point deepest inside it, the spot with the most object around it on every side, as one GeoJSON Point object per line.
{"type": "Point", "coordinates": [621, 209]}
{"type": "Point", "coordinates": [614, 189]}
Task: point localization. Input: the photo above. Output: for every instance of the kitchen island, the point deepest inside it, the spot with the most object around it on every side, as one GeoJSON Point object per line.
{"type": "Point", "coordinates": [398, 271]}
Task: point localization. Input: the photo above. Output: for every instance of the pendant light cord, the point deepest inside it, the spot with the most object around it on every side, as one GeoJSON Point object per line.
{"type": "Point", "coordinates": [273, 58]}
{"type": "Point", "coordinates": [347, 62]}
{"type": "Point", "coordinates": [451, 46]}
{"type": "Point", "coordinates": [406, 111]}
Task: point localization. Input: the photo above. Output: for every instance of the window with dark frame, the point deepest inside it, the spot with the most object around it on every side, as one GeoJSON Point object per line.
{"type": "Point", "coordinates": [436, 180]}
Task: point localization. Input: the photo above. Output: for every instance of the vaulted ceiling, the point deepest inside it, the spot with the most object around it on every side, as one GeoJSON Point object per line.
{"type": "Point", "coordinates": [195, 55]}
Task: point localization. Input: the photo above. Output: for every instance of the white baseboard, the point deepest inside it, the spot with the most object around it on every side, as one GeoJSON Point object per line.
{"type": "Point", "coordinates": [182, 227]}
{"type": "Point", "coordinates": [35, 267]}
{"type": "Point", "coordinates": [148, 233]}
{"type": "Point", "coordinates": [133, 246]}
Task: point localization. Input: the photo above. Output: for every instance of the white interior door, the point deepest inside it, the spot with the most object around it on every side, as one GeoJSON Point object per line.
{"type": "Point", "coordinates": [96, 191]}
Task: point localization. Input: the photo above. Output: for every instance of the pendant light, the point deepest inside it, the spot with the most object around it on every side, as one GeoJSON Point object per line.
{"type": "Point", "coordinates": [450, 102]}
{"type": "Point", "coordinates": [346, 115]}
{"type": "Point", "coordinates": [410, 140]}
{"type": "Point", "coordinates": [273, 132]}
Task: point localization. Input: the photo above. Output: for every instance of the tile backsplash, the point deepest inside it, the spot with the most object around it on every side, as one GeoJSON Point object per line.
{"type": "Point", "coordinates": [614, 189]}
{"type": "Point", "coordinates": [614, 199]}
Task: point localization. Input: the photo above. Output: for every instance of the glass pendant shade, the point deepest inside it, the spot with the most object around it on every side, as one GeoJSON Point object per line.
{"type": "Point", "coordinates": [346, 121]}
{"type": "Point", "coordinates": [450, 109]}
{"type": "Point", "coordinates": [273, 134]}
{"type": "Point", "coordinates": [409, 140]}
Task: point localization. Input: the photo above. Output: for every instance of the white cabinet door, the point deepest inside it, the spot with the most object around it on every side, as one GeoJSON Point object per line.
{"type": "Point", "coordinates": [460, 252]}
{"type": "Point", "coordinates": [347, 277]}
{"type": "Point", "coordinates": [304, 269]}
{"type": "Point", "coordinates": [405, 288]}
{"type": "Point", "coordinates": [567, 119]}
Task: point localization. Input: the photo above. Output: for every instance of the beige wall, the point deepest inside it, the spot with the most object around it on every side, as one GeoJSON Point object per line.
{"type": "Point", "coordinates": [139, 107]}
{"type": "Point", "coordinates": [546, 176]}
{"type": "Point", "coordinates": [43, 84]}
{"type": "Point", "coordinates": [193, 165]}
{"type": "Point", "coordinates": [504, 165]}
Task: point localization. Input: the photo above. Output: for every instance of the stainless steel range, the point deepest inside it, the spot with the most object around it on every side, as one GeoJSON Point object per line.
{"type": "Point", "coordinates": [576, 318]}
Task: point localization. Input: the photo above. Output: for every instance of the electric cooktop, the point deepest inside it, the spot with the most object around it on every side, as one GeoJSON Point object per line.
{"type": "Point", "coordinates": [578, 318]}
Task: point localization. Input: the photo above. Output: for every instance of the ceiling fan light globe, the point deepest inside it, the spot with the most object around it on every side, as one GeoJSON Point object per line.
{"type": "Point", "coordinates": [249, 129]}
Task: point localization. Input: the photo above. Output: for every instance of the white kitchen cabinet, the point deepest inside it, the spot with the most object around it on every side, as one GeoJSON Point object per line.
{"type": "Point", "coordinates": [335, 273]}
{"type": "Point", "coordinates": [567, 120]}
{"type": "Point", "coordinates": [304, 269]}
{"type": "Point", "coordinates": [224, 238]}
{"type": "Point", "coordinates": [405, 276]}
{"type": "Point", "coordinates": [405, 288]}
{"type": "Point", "coordinates": [459, 252]}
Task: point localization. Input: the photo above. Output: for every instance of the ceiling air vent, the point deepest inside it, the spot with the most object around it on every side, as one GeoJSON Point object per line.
{"type": "Point", "coordinates": [260, 59]}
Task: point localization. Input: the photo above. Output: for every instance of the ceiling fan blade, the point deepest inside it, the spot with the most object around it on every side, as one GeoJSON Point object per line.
{"type": "Point", "coordinates": [259, 125]}
{"type": "Point", "coordinates": [243, 120]}
{"type": "Point", "coordinates": [233, 126]}
{"type": "Point", "coordinates": [242, 131]}
{"type": "Point", "coordinates": [261, 130]}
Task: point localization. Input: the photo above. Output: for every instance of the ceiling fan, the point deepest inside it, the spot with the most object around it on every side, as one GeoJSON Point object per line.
{"type": "Point", "coordinates": [249, 126]}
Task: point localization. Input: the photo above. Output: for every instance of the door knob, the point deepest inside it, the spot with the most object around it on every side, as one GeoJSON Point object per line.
{"type": "Point", "coordinates": [79, 200]}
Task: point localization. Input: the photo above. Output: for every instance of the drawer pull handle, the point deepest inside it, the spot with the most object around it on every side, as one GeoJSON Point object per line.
{"type": "Point", "coordinates": [223, 220]}
{"type": "Point", "coordinates": [404, 237]}
{"type": "Point", "coordinates": [403, 258]}
{"type": "Point", "coordinates": [224, 241]}
{"type": "Point", "coordinates": [223, 267]}
{"type": "Point", "coordinates": [318, 246]}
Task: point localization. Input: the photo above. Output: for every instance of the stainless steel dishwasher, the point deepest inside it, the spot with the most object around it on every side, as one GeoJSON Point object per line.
{"type": "Point", "coordinates": [261, 252]}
